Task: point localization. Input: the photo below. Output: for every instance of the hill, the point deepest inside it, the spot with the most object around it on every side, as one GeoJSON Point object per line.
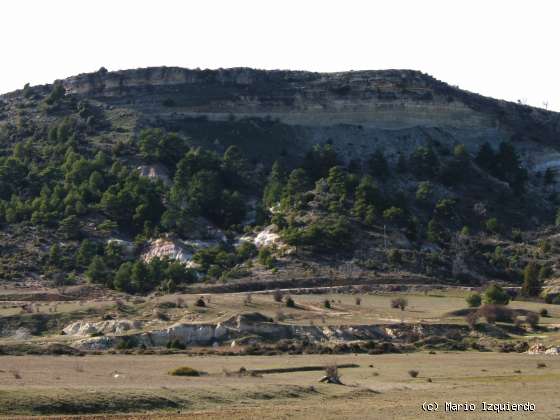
{"type": "Point", "coordinates": [169, 178]}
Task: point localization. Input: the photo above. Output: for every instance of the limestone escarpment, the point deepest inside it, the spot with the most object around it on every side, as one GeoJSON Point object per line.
{"type": "Point", "coordinates": [358, 111]}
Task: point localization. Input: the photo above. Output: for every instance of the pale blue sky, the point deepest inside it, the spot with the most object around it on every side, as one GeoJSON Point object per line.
{"type": "Point", "coordinates": [506, 49]}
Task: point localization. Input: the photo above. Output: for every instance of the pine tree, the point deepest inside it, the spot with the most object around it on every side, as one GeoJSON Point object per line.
{"type": "Point", "coordinates": [86, 253]}
{"type": "Point", "coordinates": [97, 271]}
{"type": "Point", "coordinates": [531, 283]}
{"type": "Point", "coordinates": [275, 185]}
{"type": "Point", "coordinates": [55, 256]}
{"type": "Point", "coordinates": [377, 165]}
{"type": "Point", "coordinates": [69, 227]}
{"type": "Point", "coordinates": [121, 281]}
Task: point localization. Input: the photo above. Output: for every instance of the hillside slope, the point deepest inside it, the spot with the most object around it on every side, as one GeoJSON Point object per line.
{"type": "Point", "coordinates": [164, 177]}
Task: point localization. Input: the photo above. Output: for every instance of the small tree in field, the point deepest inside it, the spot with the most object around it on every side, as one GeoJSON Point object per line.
{"type": "Point", "coordinates": [531, 283]}
{"type": "Point", "coordinates": [277, 295]}
{"type": "Point", "coordinates": [474, 300]}
{"type": "Point", "coordinates": [495, 295]}
{"type": "Point", "coordinates": [400, 303]}
{"type": "Point", "coordinates": [290, 303]}
{"type": "Point", "coordinates": [532, 319]}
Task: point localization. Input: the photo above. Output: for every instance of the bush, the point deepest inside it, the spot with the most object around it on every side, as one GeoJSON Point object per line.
{"type": "Point", "coordinates": [277, 295]}
{"type": "Point", "coordinates": [176, 344]}
{"type": "Point", "coordinates": [544, 312]}
{"type": "Point", "coordinates": [496, 313]}
{"type": "Point", "coordinates": [290, 302]}
{"type": "Point", "coordinates": [532, 319]}
{"type": "Point", "coordinates": [358, 301]}
{"type": "Point", "coordinates": [472, 319]}
{"type": "Point", "coordinates": [413, 373]}
{"type": "Point", "coordinates": [327, 304]}
{"type": "Point", "coordinates": [474, 300]}
{"type": "Point", "coordinates": [531, 283]}
{"type": "Point", "coordinates": [200, 302]}
{"type": "Point", "coordinates": [184, 371]}
{"type": "Point", "coordinates": [553, 299]}
{"type": "Point", "coordinates": [266, 258]}
{"type": "Point", "coordinates": [400, 303]}
{"type": "Point", "coordinates": [495, 295]}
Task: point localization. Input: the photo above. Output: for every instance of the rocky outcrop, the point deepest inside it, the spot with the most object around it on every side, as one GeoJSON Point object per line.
{"type": "Point", "coordinates": [257, 325]}
{"type": "Point", "coordinates": [86, 328]}
{"type": "Point", "coordinates": [393, 99]}
{"type": "Point", "coordinates": [167, 248]}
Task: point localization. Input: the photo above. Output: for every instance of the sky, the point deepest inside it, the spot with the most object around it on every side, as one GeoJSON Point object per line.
{"type": "Point", "coordinates": [506, 49]}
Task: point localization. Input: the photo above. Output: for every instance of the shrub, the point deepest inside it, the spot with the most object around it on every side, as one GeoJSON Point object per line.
{"type": "Point", "coordinates": [474, 300]}
{"type": "Point", "coordinates": [541, 365]}
{"type": "Point", "coordinates": [200, 302]}
{"type": "Point", "coordinates": [184, 371]}
{"type": "Point", "coordinates": [496, 295]}
{"type": "Point", "coordinates": [327, 304]}
{"type": "Point", "coordinates": [544, 312]}
{"type": "Point", "coordinates": [290, 302]}
{"type": "Point", "coordinates": [358, 300]}
{"type": "Point", "coordinates": [532, 319]}
{"type": "Point", "coordinates": [176, 344]}
{"type": "Point", "coordinates": [400, 303]}
{"type": "Point", "coordinates": [278, 295]}
{"type": "Point", "coordinates": [531, 283]}
{"type": "Point", "coordinates": [472, 319]}
{"type": "Point", "coordinates": [266, 258]}
{"type": "Point", "coordinates": [552, 298]}
{"type": "Point", "coordinates": [413, 373]}
{"type": "Point", "coordinates": [331, 371]}
{"type": "Point", "coordinates": [494, 313]}
{"type": "Point", "coordinates": [492, 225]}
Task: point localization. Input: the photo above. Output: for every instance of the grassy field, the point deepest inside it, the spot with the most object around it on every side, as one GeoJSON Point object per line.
{"type": "Point", "coordinates": [380, 388]}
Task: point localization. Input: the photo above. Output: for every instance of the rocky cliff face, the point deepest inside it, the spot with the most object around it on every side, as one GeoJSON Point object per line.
{"type": "Point", "coordinates": [356, 111]}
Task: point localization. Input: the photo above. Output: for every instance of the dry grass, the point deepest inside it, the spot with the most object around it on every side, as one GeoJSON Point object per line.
{"type": "Point", "coordinates": [143, 385]}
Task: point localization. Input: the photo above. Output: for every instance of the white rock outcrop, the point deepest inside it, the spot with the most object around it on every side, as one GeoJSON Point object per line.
{"type": "Point", "coordinates": [155, 172]}
{"type": "Point", "coordinates": [167, 248]}
{"type": "Point", "coordinates": [86, 328]}
{"type": "Point", "coordinates": [267, 238]}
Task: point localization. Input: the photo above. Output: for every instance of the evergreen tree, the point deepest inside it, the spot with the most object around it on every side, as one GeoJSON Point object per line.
{"type": "Point", "coordinates": [377, 165]}
{"type": "Point", "coordinates": [121, 281]}
{"type": "Point", "coordinates": [140, 277]}
{"type": "Point", "coordinates": [424, 162]}
{"type": "Point", "coordinates": [97, 271]}
{"type": "Point", "coordinates": [486, 158]}
{"type": "Point", "coordinates": [531, 283]}
{"type": "Point", "coordinates": [55, 257]}
{"type": "Point", "coordinates": [273, 190]}
{"type": "Point", "coordinates": [336, 181]}
{"type": "Point", "coordinates": [85, 254]}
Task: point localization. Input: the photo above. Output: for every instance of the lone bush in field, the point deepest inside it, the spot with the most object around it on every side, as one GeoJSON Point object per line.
{"type": "Point", "coordinates": [184, 371]}
{"type": "Point", "coordinates": [474, 300]}
{"type": "Point", "coordinates": [400, 303]}
{"type": "Point", "coordinates": [278, 295]}
{"type": "Point", "coordinates": [200, 302]}
{"type": "Point", "coordinates": [544, 312]}
{"type": "Point", "coordinates": [496, 295]}
{"type": "Point", "coordinates": [413, 373]}
{"type": "Point", "coordinates": [327, 304]}
{"type": "Point", "coordinates": [494, 313]}
{"type": "Point", "coordinates": [358, 301]}
{"type": "Point", "coordinates": [532, 319]}
{"type": "Point", "coordinates": [290, 303]}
